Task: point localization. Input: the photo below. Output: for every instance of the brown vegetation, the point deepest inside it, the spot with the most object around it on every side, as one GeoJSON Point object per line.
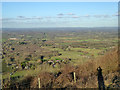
{"type": "Point", "coordinates": [86, 73]}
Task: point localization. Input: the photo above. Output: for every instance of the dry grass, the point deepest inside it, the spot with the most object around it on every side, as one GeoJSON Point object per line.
{"type": "Point", "coordinates": [86, 73]}
{"type": "Point", "coordinates": [46, 80]}
{"type": "Point", "coordinates": [109, 62]}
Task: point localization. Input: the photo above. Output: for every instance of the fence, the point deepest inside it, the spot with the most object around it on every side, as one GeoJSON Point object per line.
{"type": "Point", "coordinates": [28, 84]}
{"type": "Point", "coordinates": [24, 85]}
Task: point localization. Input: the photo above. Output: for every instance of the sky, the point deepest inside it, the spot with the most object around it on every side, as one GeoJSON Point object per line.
{"type": "Point", "coordinates": [59, 14]}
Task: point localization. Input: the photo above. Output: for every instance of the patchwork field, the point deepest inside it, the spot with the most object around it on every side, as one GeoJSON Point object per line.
{"type": "Point", "coordinates": [30, 52]}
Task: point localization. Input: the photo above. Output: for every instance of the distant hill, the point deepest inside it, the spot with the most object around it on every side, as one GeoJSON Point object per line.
{"type": "Point", "coordinates": [63, 28]}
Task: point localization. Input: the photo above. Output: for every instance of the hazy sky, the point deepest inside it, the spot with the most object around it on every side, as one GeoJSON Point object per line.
{"type": "Point", "coordinates": [59, 14]}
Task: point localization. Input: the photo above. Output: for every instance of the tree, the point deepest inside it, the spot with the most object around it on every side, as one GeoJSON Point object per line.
{"type": "Point", "coordinates": [42, 57]}
{"type": "Point", "coordinates": [12, 59]}
{"type": "Point", "coordinates": [13, 49]}
{"type": "Point", "coordinates": [23, 64]}
{"type": "Point", "coordinates": [27, 59]}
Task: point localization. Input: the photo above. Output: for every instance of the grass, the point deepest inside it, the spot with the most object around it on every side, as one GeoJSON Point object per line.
{"type": "Point", "coordinates": [85, 72]}
{"type": "Point", "coordinates": [90, 51]}
{"type": "Point", "coordinates": [20, 73]}
{"type": "Point", "coordinates": [31, 72]}
{"type": "Point", "coordinates": [4, 76]}
{"type": "Point", "coordinates": [78, 39]}
{"type": "Point", "coordinates": [77, 57]}
{"type": "Point", "coordinates": [109, 61]}
{"type": "Point", "coordinates": [65, 54]}
{"type": "Point", "coordinates": [73, 54]}
{"type": "Point", "coordinates": [84, 61]}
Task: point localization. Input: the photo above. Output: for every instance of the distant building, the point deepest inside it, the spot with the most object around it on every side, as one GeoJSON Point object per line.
{"type": "Point", "coordinates": [12, 39]}
{"type": "Point", "coordinates": [22, 35]}
{"type": "Point", "coordinates": [14, 64]}
{"type": "Point", "coordinates": [26, 67]}
{"type": "Point", "coordinates": [17, 67]}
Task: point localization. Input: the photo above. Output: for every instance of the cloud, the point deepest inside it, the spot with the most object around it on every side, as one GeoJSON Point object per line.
{"type": "Point", "coordinates": [59, 17]}
{"type": "Point", "coordinates": [75, 16]}
{"type": "Point", "coordinates": [37, 18]}
{"type": "Point", "coordinates": [20, 16]}
{"type": "Point", "coordinates": [106, 16]}
{"type": "Point", "coordinates": [87, 15]}
{"type": "Point", "coordinates": [101, 16]}
{"type": "Point", "coordinates": [7, 19]}
{"type": "Point", "coordinates": [116, 14]}
{"type": "Point", "coordinates": [97, 16]}
{"type": "Point", "coordinates": [68, 17]}
{"type": "Point", "coordinates": [70, 14]}
{"type": "Point", "coordinates": [60, 14]}
{"type": "Point", "coordinates": [28, 18]}
{"type": "Point", "coordinates": [48, 17]}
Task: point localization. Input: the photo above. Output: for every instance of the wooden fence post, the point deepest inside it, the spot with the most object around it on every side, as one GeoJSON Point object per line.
{"type": "Point", "coordinates": [39, 82]}
{"type": "Point", "coordinates": [74, 77]}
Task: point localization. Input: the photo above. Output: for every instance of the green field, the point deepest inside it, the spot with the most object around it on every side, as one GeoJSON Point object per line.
{"type": "Point", "coordinates": [31, 53]}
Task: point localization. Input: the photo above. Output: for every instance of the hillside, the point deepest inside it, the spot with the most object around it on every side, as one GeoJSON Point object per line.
{"type": "Point", "coordinates": [86, 74]}
{"type": "Point", "coordinates": [57, 57]}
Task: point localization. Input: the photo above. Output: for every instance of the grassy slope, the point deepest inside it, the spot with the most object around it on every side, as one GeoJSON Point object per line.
{"type": "Point", "coordinates": [86, 73]}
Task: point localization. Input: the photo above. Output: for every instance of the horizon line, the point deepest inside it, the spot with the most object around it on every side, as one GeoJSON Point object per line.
{"type": "Point", "coordinates": [69, 27]}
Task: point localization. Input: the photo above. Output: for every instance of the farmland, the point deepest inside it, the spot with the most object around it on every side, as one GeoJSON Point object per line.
{"type": "Point", "coordinates": [30, 52]}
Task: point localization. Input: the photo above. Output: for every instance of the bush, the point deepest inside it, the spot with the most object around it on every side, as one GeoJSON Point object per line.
{"type": "Point", "coordinates": [23, 64]}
